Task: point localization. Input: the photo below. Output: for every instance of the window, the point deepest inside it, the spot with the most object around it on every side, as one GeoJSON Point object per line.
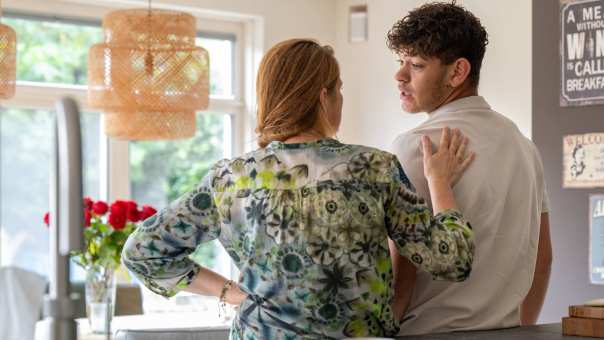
{"type": "Point", "coordinates": [222, 59]}
{"type": "Point", "coordinates": [162, 171]}
{"type": "Point", "coordinates": [52, 61]}
{"type": "Point", "coordinates": [25, 136]}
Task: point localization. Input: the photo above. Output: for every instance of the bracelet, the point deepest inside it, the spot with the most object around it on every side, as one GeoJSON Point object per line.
{"type": "Point", "coordinates": [225, 288]}
{"type": "Point", "coordinates": [221, 299]}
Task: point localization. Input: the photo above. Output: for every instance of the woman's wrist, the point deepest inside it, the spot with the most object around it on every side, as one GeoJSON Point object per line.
{"type": "Point", "coordinates": [441, 194]}
{"type": "Point", "coordinates": [234, 295]}
{"type": "Point", "coordinates": [440, 183]}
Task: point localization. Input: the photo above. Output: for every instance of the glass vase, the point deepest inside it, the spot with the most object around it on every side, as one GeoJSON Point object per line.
{"type": "Point", "coordinates": [100, 298]}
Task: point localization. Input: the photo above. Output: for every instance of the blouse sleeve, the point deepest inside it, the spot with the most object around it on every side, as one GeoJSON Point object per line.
{"type": "Point", "coordinates": [440, 244]}
{"type": "Point", "coordinates": [157, 252]}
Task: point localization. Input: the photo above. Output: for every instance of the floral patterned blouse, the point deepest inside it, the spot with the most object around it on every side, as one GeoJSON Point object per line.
{"type": "Point", "coordinates": [307, 225]}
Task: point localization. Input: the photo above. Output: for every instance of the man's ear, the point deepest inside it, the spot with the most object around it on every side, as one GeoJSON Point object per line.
{"type": "Point", "coordinates": [460, 70]}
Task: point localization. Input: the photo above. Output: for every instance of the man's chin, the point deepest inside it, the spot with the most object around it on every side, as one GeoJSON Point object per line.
{"type": "Point", "coordinates": [410, 110]}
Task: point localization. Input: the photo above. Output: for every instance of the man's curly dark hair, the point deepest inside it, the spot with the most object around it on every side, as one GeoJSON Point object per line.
{"type": "Point", "coordinates": [446, 31]}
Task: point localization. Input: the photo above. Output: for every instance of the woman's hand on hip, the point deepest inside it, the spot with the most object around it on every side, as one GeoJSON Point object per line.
{"type": "Point", "coordinates": [235, 296]}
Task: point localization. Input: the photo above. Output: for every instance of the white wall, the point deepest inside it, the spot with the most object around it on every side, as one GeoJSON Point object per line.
{"type": "Point", "coordinates": [372, 113]}
{"type": "Point", "coordinates": [283, 19]}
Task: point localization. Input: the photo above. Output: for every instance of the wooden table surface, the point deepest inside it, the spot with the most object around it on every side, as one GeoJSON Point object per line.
{"type": "Point", "coordinates": [539, 332]}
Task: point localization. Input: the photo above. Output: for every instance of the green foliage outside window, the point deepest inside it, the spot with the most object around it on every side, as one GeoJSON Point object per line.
{"type": "Point", "coordinates": [53, 52]}
{"type": "Point", "coordinates": [160, 172]}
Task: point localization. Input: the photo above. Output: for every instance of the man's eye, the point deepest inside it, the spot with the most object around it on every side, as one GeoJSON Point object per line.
{"type": "Point", "coordinates": [418, 66]}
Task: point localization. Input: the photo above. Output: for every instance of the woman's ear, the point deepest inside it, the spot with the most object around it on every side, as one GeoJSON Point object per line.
{"type": "Point", "coordinates": [324, 98]}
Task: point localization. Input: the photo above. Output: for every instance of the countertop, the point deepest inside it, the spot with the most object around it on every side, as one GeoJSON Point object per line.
{"type": "Point", "coordinates": [539, 332]}
{"type": "Point", "coordinates": [178, 332]}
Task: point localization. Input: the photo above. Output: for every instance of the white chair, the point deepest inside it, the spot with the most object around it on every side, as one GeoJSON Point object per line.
{"type": "Point", "coordinates": [21, 296]}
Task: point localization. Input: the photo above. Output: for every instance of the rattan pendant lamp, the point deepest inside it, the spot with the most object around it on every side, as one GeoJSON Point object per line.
{"type": "Point", "coordinates": [8, 60]}
{"type": "Point", "coordinates": [148, 77]}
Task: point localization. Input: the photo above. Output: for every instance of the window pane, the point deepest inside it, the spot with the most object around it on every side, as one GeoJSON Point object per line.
{"type": "Point", "coordinates": [25, 139]}
{"type": "Point", "coordinates": [53, 52]}
{"type": "Point", "coordinates": [221, 65]}
{"type": "Point", "coordinates": [162, 171]}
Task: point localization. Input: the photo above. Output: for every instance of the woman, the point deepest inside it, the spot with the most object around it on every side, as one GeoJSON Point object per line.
{"type": "Point", "coordinates": [306, 218]}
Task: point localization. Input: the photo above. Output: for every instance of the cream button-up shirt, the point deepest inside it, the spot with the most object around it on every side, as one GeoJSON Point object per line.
{"type": "Point", "coordinates": [502, 194]}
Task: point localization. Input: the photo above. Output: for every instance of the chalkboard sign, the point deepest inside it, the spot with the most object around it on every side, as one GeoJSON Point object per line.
{"type": "Point", "coordinates": [582, 52]}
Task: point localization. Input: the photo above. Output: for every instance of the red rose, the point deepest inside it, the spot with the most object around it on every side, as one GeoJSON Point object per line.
{"type": "Point", "coordinates": [147, 212]}
{"type": "Point", "coordinates": [132, 211]}
{"type": "Point", "coordinates": [87, 217]}
{"type": "Point", "coordinates": [117, 221]}
{"type": "Point", "coordinates": [118, 207]}
{"type": "Point", "coordinates": [87, 203]}
{"type": "Point", "coordinates": [46, 217]}
{"type": "Point", "coordinates": [118, 214]}
{"type": "Point", "coordinates": [100, 208]}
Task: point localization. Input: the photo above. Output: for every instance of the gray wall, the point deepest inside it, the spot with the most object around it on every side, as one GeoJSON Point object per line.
{"type": "Point", "coordinates": [569, 207]}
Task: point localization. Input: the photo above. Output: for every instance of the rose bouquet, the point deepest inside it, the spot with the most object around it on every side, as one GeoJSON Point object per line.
{"type": "Point", "coordinates": [106, 228]}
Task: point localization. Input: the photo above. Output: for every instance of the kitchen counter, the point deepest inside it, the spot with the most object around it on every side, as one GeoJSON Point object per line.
{"type": "Point", "coordinates": [175, 331]}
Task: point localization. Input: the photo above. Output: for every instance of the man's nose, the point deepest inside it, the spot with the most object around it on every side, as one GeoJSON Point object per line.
{"type": "Point", "coordinates": [402, 74]}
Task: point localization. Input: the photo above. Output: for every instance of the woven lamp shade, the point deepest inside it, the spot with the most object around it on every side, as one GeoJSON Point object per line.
{"type": "Point", "coordinates": [148, 76]}
{"type": "Point", "coordinates": [8, 61]}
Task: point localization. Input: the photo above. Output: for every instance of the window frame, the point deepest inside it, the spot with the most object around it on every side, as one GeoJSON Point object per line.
{"type": "Point", "coordinates": [247, 32]}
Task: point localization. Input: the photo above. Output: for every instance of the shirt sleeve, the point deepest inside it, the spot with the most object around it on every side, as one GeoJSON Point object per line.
{"type": "Point", "coordinates": [541, 177]}
{"type": "Point", "coordinates": [157, 252]}
{"type": "Point", "coordinates": [441, 244]}
{"type": "Point", "coordinates": [407, 149]}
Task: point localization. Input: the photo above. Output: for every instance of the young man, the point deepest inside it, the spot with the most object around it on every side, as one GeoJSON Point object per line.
{"type": "Point", "coordinates": [441, 47]}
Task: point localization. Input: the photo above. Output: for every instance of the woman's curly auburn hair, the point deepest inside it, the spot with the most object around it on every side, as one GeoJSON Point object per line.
{"type": "Point", "coordinates": [446, 31]}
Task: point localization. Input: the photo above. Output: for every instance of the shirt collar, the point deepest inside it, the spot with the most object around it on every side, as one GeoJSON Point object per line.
{"type": "Point", "coordinates": [325, 142]}
{"type": "Point", "coordinates": [465, 103]}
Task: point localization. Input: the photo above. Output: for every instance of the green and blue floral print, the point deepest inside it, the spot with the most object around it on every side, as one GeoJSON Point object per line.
{"type": "Point", "coordinates": [307, 225]}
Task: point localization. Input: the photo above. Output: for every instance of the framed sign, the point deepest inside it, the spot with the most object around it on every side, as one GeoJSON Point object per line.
{"type": "Point", "coordinates": [596, 239]}
{"type": "Point", "coordinates": [583, 161]}
{"type": "Point", "coordinates": [582, 52]}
